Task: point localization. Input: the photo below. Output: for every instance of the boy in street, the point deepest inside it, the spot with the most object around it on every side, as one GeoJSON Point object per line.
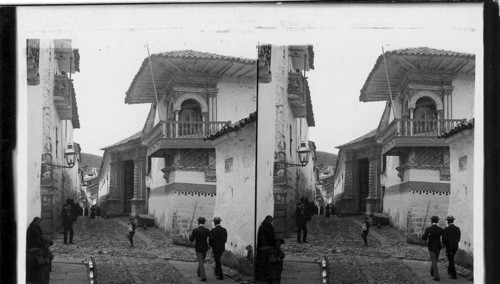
{"type": "Point", "coordinates": [67, 221]}
{"type": "Point", "coordinates": [365, 230]}
{"type": "Point", "coordinates": [301, 220]}
{"type": "Point", "coordinates": [131, 231]}
{"type": "Point", "coordinates": [200, 236]}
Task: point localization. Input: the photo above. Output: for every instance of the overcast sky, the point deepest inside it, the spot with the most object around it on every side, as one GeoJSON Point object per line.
{"type": "Point", "coordinates": [347, 40]}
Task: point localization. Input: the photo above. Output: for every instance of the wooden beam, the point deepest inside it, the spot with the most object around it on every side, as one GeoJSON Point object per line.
{"type": "Point", "coordinates": [195, 65]}
{"type": "Point", "coordinates": [407, 62]}
{"type": "Point", "coordinates": [461, 66]}
{"type": "Point", "coordinates": [470, 69]}
{"type": "Point", "coordinates": [175, 66]}
{"type": "Point", "coordinates": [239, 69]}
{"type": "Point", "coordinates": [441, 63]}
{"type": "Point", "coordinates": [420, 62]}
{"type": "Point", "coordinates": [449, 64]}
{"type": "Point", "coordinates": [430, 62]}
{"type": "Point", "coordinates": [205, 67]}
{"type": "Point", "coordinates": [217, 64]}
{"type": "Point", "coordinates": [226, 69]}
{"type": "Point", "coordinates": [251, 69]}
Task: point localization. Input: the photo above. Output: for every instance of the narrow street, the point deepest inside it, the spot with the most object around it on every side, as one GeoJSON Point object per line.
{"type": "Point", "coordinates": [153, 259]}
{"type": "Point", "coordinates": [387, 259]}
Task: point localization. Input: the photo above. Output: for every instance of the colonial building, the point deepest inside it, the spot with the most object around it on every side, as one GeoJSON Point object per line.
{"type": "Point", "coordinates": [432, 92]}
{"type": "Point", "coordinates": [168, 169]}
{"type": "Point", "coordinates": [53, 172]}
{"type": "Point", "coordinates": [356, 186]}
{"type": "Point", "coordinates": [285, 114]}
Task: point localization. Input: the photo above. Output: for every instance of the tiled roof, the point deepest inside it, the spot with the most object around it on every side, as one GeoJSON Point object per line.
{"type": "Point", "coordinates": [370, 135]}
{"type": "Point", "coordinates": [134, 138]}
{"type": "Point", "coordinates": [191, 54]}
{"type": "Point", "coordinates": [233, 127]}
{"type": "Point", "coordinates": [429, 51]}
{"type": "Point", "coordinates": [457, 129]}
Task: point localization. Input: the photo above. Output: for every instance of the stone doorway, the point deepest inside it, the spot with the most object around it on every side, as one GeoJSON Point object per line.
{"type": "Point", "coordinates": [363, 169]}
{"type": "Point", "coordinates": [128, 185]}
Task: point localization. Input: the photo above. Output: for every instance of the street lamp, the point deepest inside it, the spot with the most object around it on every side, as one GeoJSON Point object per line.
{"type": "Point", "coordinates": [69, 156]}
{"type": "Point", "coordinates": [303, 154]}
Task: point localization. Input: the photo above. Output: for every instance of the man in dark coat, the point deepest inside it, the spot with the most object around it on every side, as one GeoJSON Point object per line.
{"type": "Point", "coordinates": [451, 237]}
{"type": "Point", "coordinates": [200, 236]}
{"type": "Point", "coordinates": [67, 221]}
{"type": "Point", "coordinates": [327, 211]}
{"type": "Point", "coordinates": [301, 220]}
{"type": "Point", "coordinates": [217, 240]}
{"type": "Point", "coordinates": [307, 209]}
{"type": "Point", "coordinates": [433, 234]}
{"type": "Point", "coordinates": [265, 242]}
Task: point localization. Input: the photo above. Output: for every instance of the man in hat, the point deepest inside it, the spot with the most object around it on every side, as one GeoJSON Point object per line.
{"type": "Point", "coordinates": [217, 240]}
{"type": "Point", "coordinates": [301, 220]}
{"type": "Point", "coordinates": [433, 234]}
{"type": "Point", "coordinates": [200, 236]}
{"type": "Point", "coordinates": [451, 237]}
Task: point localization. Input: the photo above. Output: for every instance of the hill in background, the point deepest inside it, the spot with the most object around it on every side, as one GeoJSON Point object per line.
{"type": "Point", "coordinates": [324, 159]}
{"type": "Point", "coordinates": [90, 161]}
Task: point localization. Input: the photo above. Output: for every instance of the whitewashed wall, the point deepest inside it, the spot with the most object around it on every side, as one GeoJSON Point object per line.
{"type": "Point", "coordinates": [236, 99]}
{"type": "Point", "coordinates": [463, 97]}
{"type": "Point", "coordinates": [462, 186]}
{"type": "Point", "coordinates": [235, 202]}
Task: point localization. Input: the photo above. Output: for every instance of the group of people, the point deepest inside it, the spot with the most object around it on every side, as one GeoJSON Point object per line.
{"type": "Point", "coordinates": [203, 238]}
{"type": "Point", "coordinates": [269, 258]}
{"type": "Point", "coordinates": [449, 237]}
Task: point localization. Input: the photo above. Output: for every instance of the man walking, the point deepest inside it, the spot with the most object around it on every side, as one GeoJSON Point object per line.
{"type": "Point", "coordinates": [67, 221]}
{"type": "Point", "coordinates": [301, 220]}
{"type": "Point", "coordinates": [433, 234]}
{"type": "Point", "coordinates": [217, 240]}
{"type": "Point", "coordinates": [451, 237]}
{"type": "Point", "coordinates": [200, 236]}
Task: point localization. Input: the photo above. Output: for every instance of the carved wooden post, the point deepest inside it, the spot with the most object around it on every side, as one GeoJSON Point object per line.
{"type": "Point", "coordinates": [176, 135]}
{"type": "Point", "coordinates": [138, 200]}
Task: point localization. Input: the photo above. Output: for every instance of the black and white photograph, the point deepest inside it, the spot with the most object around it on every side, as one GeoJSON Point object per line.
{"type": "Point", "coordinates": [250, 143]}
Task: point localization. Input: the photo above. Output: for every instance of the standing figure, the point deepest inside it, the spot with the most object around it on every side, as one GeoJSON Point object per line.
{"type": "Point", "coordinates": [276, 262]}
{"type": "Point", "coordinates": [200, 235]}
{"type": "Point", "coordinates": [265, 242]}
{"type": "Point", "coordinates": [131, 231]}
{"type": "Point", "coordinates": [301, 220]}
{"type": "Point", "coordinates": [67, 221]}
{"type": "Point", "coordinates": [307, 209]}
{"type": "Point", "coordinates": [365, 230]}
{"type": "Point", "coordinates": [321, 211]}
{"type": "Point", "coordinates": [86, 212]}
{"type": "Point", "coordinates": [97, 211]}
{"type": "Point", "coordinates": [327, 211]}
{"type": "Point", "coordinates": [332, 209]}
{"type": "Point", "coordinates": [92, 212]}
{"type": "Point", "coordinates": [433, 234]}
{"type": "Point", "coordinates": [217, 240]}
{"type": "Point", "coordinates": [451, 237]}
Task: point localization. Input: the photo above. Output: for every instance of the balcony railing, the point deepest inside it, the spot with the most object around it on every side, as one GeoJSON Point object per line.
{"type": "Point", "coordinates": [425, 127]}
{"type": "Point", "coordinates": [296, 94]}
{"type": "Point", "coordinates": [62, 96]}
{"type": "Point", "coordinates": [186, 129]}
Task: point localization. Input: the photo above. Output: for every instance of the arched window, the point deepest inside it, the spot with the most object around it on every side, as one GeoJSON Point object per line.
{"type": "Point", "coordinates": [190, 116]}
{"type": "Point", "coordinates": [425, 116]}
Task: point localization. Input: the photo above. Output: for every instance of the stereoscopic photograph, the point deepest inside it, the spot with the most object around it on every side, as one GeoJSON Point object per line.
{"type": "Point", "coordinates": [250, 143]}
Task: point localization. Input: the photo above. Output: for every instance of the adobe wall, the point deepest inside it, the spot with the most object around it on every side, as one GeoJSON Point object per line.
{"type": "Point", "coordinates": [236, 99]}
{"type": "Point", "coordinates": [462, 187]}
{"type": "Point", "coordinates": [235, 200]}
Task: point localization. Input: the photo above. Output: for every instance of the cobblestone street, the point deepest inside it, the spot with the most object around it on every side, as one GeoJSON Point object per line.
{"type": "Point", "coordinates": [116, 262]}
{"type": "Point", "coordinates": [350, 261]}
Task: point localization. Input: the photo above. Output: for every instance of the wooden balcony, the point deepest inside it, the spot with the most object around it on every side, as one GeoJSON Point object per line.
{"type": "Point", "coordinates": [63, 96]}
{"type": "Point", "coordinates": [296, 94]}
{"type": "Point", "coordinates": [415, 133]}
{"type": "Point", "coordinates": [181, 134]}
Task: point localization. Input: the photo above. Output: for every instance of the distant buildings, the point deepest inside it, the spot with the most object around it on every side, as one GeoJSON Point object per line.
{"type": "Point", "coordinates": [52, 117]}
